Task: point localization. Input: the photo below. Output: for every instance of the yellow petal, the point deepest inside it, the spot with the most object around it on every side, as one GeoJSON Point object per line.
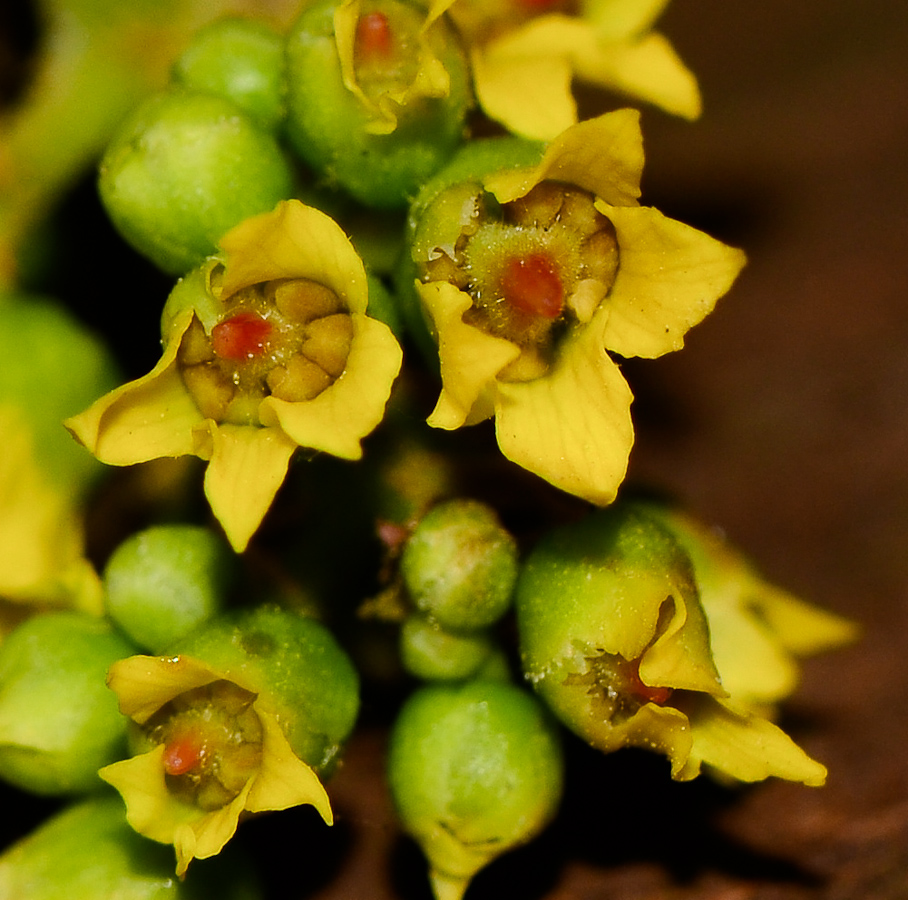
{"type": "Point", "coordinates": [343, 414]}
{"type": "Point", "coordinates": [284, 780]}
{"type": "Point", "coordinates": [503, 81]}
{"type": "Point", "coordinates": [294, 241]}
{"type": "Point", "coordinates": [143, 684]}
{"type": "Point", "coordinates": [246, 467]}
{"type": "Point", "coordinates": [748, 747]}
{"type": "Point", "coordinates": [573, 426]}
{"type": "Point", "coordinates": [669, 278]}
{"type": "Point", "coordinates": [145, 419]}
{"type": "Point", "coordinates": [470, 359]}
{"type": "Point", "coordinates": [648, 69]}
{"type": "Point", "coordinates": [603, 156]}
{"type": "Point", "coordinates": [622, 20]}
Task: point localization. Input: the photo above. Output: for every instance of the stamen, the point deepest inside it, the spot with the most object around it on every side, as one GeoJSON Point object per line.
{"type": "Point", "coordinates": [532, 285]}
{"type": "Point", "coordinates": [240, 337]}
{"type": "Point", "coordinates": [183, 753]}
{"type": "Point", "coordinates": [373, 37]}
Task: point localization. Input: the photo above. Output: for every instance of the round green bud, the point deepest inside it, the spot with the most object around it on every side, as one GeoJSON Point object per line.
{"type": "Point", "coordinates": [475, 770]}
{"type": "Point", "coordinates": [460, 565]}
{"type": "Point", "coordinates": [297, 668]}
{"type": "Point", "coordinates": [53, 367]}
{"type": "Point", "coordinates": [58, 721]}
{"type": "Point", "coordinates": [164, 581]}
{"type": "Point", "coordinates": [383, 139]}
{"type": "Point", "coordinates": [433, 653]}
{"type": "Point", "coordinates": [183, 170]}
{"type": "Point", "coordinates": [241, 60]}
{"type": "Point", "coordinates": [88, 851]}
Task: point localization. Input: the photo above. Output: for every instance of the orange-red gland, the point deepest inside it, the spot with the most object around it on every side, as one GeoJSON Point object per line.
{"type": "Point", "coordinates": [532, 285]}
{"type": "Point", "coordinates": [645, 692]}
{"type": "Point", "coordinates": [241, 336]}
{"type": "Point", "coordinates": [183, 753]}
{"type": "Point", "coordinates": [373, 37]}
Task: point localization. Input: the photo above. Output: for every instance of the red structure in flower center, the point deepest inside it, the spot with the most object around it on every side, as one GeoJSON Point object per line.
{"type": "Point", "coordinates": [532, 285]}
{"type": "Point", "coordinates": [241, 336]}
{"type": "Point", "coordinates": [183, 753]}
{"type": "Point", "coordinates": [373, 37]}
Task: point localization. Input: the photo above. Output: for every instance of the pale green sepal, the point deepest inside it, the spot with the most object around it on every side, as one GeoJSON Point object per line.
{"type": "Point", "coordinates": [669, 279]}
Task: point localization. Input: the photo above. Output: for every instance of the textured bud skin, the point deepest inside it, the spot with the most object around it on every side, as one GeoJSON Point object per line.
{"type": "Point", "coordinates": [183, 170]}
{"type": "Point", "coordinates": [162, 582]}
{"type": "Point", "coordinates": [460, 565]}
{"type": "Point", "coordinates": [88, 852]}
{"type": "Point", "coordinates": [475, 770]}
{"type": "Point", "coordinates": [433, 653]}
{"type": "Point", "coordinates": [58, 721]}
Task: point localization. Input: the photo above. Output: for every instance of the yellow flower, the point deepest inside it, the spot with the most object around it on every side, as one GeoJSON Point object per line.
{"type": "Point", "coordinates": [267, 347]}
{"type": "Point", "coordinates": [384, 95]}
{"type": "Point", "coordinates": [217, 752]}
{"type": "Point", "coordinates": [524, 49]}
{"type": "Point", "coordinates": [758, 631]}
{"type": "Point", "coordinates": [615, 639]}
{"type": "Point", "coordinates": [530, 276]}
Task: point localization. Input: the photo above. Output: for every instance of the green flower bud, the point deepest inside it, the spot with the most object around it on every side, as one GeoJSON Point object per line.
{"type": "Point", "coordinates": [377, 96]}
{"type": "Point", "coordinates": [475, 770]}
{"type": "Point", "coordinates": [460, 565]}
{"type": "Point", "coordinates": [614, 638]}
{"type": "Point", "coordinates": [52, 367]}
{"type": "Point", "coordinates": [58, 721]}
{"type": "Point", "coordinates": [433, 653]}
{"type": "Point", "coordinates": [88, 851]}
{"type": "Point", "coordinates": [183, 170]}
{"type": "Point", "coordinates": [241, 60]}
{"type": "Point", "coordinates": [164, 581]}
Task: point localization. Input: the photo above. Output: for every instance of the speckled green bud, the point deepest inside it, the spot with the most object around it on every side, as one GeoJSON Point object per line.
{"type": "Point", "coordinates": [58, 721]}
{"type": "Point", "coordinates": [460, 564]}
{"type": "Point", "coordinates": [433, 653]}
{"type": "Point", "coordinates": [164, 581]}
{"type": "Point", "coordinates": [183, 170]}
{"type": "Point", "coordinates": [475, 770]}
{"type": "Point", "coordinates": [241, 60]}
{"type": "Point", "coordinates": [88, 851]}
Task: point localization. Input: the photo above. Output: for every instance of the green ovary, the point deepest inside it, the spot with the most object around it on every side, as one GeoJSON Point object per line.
{"type": "Point", "coordinates": [287, 338]}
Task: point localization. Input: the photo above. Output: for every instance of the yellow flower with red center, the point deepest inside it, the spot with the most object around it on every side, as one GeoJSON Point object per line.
{"type": "Point", "coordinates": [267, 347]}
{"type": "Point", "coordinates": [530, 276]}
{"type": "Point", "coordinates": [535, 48]}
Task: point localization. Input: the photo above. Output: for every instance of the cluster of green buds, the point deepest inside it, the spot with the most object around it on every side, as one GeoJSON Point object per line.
{"type": "Point", "coordinates": [384, 223]}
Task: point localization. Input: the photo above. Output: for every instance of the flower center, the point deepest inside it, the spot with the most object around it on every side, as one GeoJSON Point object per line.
{"type": "Point", "coordinates": [385, 51]}
{"type": "Point", "coordinates": [534, 268]}
{"type": "Point", "coordinates": [212, 741]}
{"type": "Point", "coordinates": [615, 685]}
{"type": "Point", "coordinates": [288, 338]}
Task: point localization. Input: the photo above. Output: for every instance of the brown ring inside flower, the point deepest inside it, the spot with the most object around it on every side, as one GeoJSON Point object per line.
{"type": "Point", "coordinates": [288, 338]}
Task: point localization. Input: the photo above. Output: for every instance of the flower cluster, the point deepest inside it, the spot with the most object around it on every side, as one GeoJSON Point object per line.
{"type": "Point", "coordinates": [381, 221]}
